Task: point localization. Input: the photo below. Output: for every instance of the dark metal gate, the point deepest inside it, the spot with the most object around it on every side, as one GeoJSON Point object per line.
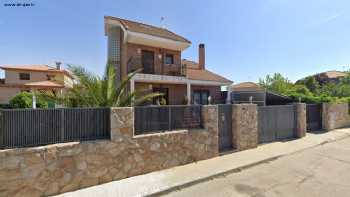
{"type": "Point", "coordinates": [225, 127]}
{"type": "Point", "coordinates": [276, 123]}
{"type": "Point", "coordinates": [314, 117]}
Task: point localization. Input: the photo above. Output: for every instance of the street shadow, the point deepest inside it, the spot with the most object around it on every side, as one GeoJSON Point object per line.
{"type": "Point", "coordinates": [318, 131]}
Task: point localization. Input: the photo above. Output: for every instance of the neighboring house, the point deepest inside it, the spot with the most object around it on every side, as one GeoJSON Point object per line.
{"type": "Point", "coordinates": [157, 51]}
{"type": "Point", "coordinates": [247, 92]}
{"type": "Point", "coordinates": [34, 77]}
{"type": "Point", "coordinates": [329, 76]}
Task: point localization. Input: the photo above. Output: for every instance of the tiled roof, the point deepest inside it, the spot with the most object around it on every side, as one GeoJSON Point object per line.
{"type": "Point", "coordinates": [333, 74]}
{"type": "Point", "coordinates": [47, 84]}
{"type": "Point", "coordinates": [246, 86]}
{"type": "Point", "coordinates": [190, 64]}
{"type": "Point", "coordinates": [193, 72]}
{"type": "Point", "coordinates": [148, 29]}
{"type": "Point", "coordinates": [37, 84]}
{"type": "Point", "coordinates": [35, 68]}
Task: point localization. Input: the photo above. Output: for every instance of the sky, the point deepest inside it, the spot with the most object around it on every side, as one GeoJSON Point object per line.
{"type": "Point", "coordinates": [245, 39]}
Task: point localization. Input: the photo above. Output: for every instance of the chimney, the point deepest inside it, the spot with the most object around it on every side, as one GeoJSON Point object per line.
{"type": "Point", "coordinates": [58, 65]}
{"type": "Point", "coordinates": [201, 56]}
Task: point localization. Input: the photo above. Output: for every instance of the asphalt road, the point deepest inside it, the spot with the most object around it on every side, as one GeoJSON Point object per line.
{"type": "Point", "coordinates": [320, 171]}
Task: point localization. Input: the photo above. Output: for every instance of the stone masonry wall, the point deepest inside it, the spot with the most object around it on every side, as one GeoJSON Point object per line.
{"type": "Point", "coordinates": [58, 168]}
{"type": "Point", "coordinates": [244, 126]}
{"type": "Point", "coordinates": [301, 119]}
{"type": "Point", "coordinates": [335, 116]}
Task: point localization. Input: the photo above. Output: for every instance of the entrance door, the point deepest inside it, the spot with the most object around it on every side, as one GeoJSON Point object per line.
{"type": "Point", "coordinates": [314, 117]}
{"type": "Point", "coordinates": [225, 127]}
{"type": "Point", "coordinates": [148, 62]}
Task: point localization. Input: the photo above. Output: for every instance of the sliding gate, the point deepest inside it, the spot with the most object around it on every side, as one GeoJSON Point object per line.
{"type": "Point", "coordinates": [276, 122]}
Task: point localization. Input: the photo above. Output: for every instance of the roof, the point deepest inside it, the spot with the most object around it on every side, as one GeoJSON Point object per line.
{"type": "Point", "coordinates": [37, 84]}
{"type": "Point", "coordinates": [333, 74]}
{"type": "Point", "coordinates": [47, 84]}
{"type": "Point", "coordinates": [190, 64]}
{"type": "Point", "coordinates": [36, 68]}
{"type": "Point", "coordinates": [193, 72]}
{"type": "Point", "coordinates": [148, 29]}
{"type": "Point", "coordinates": [247, 86]}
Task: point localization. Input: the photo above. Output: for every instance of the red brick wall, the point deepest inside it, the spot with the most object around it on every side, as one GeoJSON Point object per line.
{"type": "Point", "coordinates": [177, 92]}
{"type": "Point", "coordinates": [132, 52]}
{"type": "Point", "coordinates": [214, 91]}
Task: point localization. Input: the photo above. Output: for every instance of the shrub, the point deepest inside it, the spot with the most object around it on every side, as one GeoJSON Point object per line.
{"type": "Point", "coordinates": [24, 100]}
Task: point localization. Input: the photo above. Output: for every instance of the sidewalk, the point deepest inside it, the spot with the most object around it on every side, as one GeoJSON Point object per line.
{"type": "Point", "coordinates": [182, 176]}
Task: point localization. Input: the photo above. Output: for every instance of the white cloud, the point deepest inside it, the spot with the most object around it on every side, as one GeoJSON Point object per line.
{"type": "Point", "coordinates": [329, 19]}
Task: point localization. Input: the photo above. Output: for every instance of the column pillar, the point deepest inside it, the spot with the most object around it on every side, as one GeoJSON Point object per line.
{"type": "Point", "coordinates": [188, 93]}
{"type": "Point", "coordinates": [228, 98]}
{"type": "Point", "coordinates": [244, 126]}
{"type": "Point", "coordinates": [132, 85]}
{"type": "Point", "coordinates": [33, 99]}
{"type": "Point", "coordinates": [301, 119]}
{"type": "Point", "coordinates": [132, 89]}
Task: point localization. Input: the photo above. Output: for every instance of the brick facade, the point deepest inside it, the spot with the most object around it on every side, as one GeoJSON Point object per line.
{"type": "Point", "coordinates": [135, 51]}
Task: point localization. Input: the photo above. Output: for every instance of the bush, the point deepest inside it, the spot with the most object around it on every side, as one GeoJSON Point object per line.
{"type": "Point", "coordinates": [311, 99]}
{"type": "Point", "coordinates": [24, 100]}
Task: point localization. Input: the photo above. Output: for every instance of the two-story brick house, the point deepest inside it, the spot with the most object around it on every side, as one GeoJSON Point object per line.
{"type": "Point", "coordinates": [33, 77]}
{"type": "Point", "coordinates": [157, 51]}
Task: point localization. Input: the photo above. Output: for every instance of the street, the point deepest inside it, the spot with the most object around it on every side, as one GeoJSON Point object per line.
{"type": "Point", "coordinates": [320, 171]}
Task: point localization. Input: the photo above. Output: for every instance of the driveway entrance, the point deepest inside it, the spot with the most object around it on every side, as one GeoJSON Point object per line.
{"type": "Point", "coordinates": [276, 123]}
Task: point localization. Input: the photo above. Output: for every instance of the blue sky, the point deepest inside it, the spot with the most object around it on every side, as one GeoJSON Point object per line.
{"type": "Point", "coordinates": [245, 39]}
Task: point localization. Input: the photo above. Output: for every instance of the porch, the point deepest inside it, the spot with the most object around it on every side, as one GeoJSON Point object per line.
{"type": "Point", "coordinates": [180, 90]}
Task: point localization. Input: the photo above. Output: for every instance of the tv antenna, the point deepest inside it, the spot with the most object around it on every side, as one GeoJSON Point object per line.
{"type": "Point", "coordinates": [162, 22]}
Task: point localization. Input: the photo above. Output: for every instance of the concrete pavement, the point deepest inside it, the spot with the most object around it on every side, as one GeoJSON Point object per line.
{"type": "Point", "coordinates": [164, 181]}
{"type": "Point", "coordinates": [321, 171]}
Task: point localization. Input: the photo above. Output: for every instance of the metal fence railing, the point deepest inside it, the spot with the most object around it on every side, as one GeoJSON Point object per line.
{"type": "Point", "coordinates": [150, 119]}
{"type": "Point", "coordinates": [33, 127]}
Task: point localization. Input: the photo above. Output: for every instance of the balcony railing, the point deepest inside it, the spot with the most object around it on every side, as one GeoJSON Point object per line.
{"type": "Point", "coordinates": [135, 63]}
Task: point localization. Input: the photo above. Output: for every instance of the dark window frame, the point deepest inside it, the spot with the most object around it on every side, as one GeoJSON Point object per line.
{"type": "Point", "coordinates": [165, 91]}
{"type": "Point", "coordinates": [24, 76]}
{"type": "Point", "coordinates": [201, 94]}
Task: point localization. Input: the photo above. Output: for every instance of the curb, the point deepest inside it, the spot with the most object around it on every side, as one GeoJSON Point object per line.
{"type": "Point", "coordinates": [238, 169]}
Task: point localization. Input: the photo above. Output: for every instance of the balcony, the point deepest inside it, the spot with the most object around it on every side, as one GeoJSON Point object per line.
{"type": "Point", "coordinates": [135, 63]}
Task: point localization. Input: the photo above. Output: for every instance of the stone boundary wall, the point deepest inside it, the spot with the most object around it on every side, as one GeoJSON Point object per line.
{"type": "Point", "coordinates": [59, 168]}
{"type": "Point", "coordinates": [244, 126]}
{"type": "Point", "coordinates": [301, 120]}
{"type": "Point", "coordinates": [335, 115]}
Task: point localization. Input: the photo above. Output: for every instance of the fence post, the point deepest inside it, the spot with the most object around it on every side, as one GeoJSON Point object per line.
{"type": "Point", "coordinates": [245, 126]}
{"type": "Point", "coordinates": [2, 130]}
{"type": "Point", "coordinates": [300, 111]}
{"type": "Point", "coordinates": [62, 125]}
{"type": "Point", "coordinates": [169, 120]}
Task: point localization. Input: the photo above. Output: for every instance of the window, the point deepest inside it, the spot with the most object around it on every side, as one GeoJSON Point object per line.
{"type": "Point", "coordinates": [165, 92]}
{"type": "Point", "coordinates": [169, 59]}
{"type": "Point", "coordinates": [24, 76]}
{"type": "Point", "coordinates": [50, 77]}
{"type": "Point", "coordinates": [200, 97]}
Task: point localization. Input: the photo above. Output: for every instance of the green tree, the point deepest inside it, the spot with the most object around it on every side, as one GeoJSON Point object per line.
{"type": "Point", "coordinates": [311, 83]}
{"type": "Point", "coordinates": [93, 91]}
{"type": "Point", "coordinates": [299, 89]}
{"type": "Point", "coordinates": [25, 100]}
{"type": "Point", "coordinates": [276, 83]}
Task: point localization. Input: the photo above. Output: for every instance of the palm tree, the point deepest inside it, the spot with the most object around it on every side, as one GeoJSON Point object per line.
{"type": "Point", "coordinates": [93, 91]}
